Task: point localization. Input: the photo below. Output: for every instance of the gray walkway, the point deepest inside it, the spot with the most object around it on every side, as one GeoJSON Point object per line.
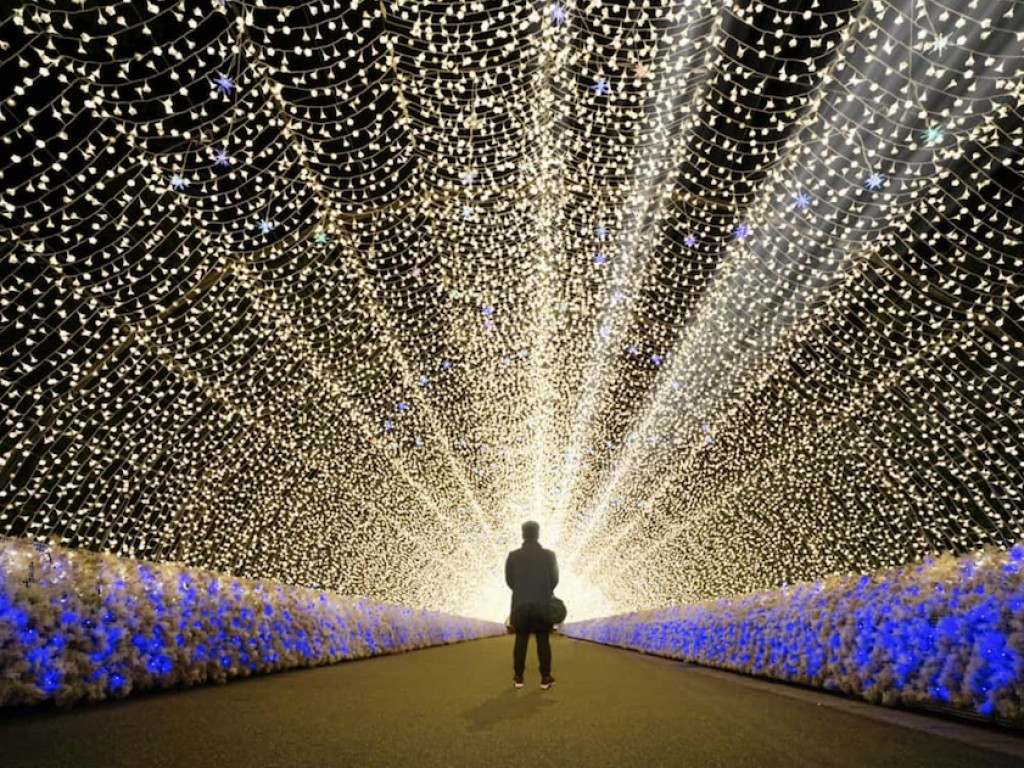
{"type": "Point", "coordinates": [454, 706]}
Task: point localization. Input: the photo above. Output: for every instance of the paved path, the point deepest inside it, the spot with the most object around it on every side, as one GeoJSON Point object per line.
{"type": "Point", "coordinates": [454, 706]}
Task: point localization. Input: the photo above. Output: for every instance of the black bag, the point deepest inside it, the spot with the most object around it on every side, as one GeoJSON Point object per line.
{"type": "Point", "coordinates": [556, 611]}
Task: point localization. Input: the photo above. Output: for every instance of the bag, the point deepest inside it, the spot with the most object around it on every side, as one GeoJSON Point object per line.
{"type": "Point", "coordinates": [556, 611]}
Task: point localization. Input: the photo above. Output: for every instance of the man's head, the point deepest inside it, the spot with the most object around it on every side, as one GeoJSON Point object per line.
{"type": "Point", "coordinates": [531, 531]}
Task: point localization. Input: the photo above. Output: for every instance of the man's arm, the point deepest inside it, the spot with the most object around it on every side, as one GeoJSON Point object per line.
{"type": "Point", "coordinates": [508, 571]}
{"type": "Point", "coordinates": [554, 571]}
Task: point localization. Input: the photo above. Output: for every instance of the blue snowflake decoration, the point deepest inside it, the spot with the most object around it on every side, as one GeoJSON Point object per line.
{"type": "Point", "coordinates": [617, 297]}
{"type": "Point", "coordinates": [424, 380]}
{"type": "Point", "coordinates": [419, 442]}
{"type": "Point", "coordinates": [402, 406]}
{"type": "Point", "coordinates": [389, 425]}
{"type": "Point", "coordinates": [741, 231]}
{"type": "Point", "coordinates": [467, 212]}
{"type": "Point", "coordinates": [600, 259]}
{"type": "Point", "coordinates": [468, 178]}
{"type": "Point", "coordinates": [446, 365]}
{"type": "Point", "coordinates": [874, 181]}
{"type": "Point", "coordinates": [487, 310]}
{"type": "Point", "coordinates": [225, 84]}
{"type": "Point", "coordinates": [803, 200]}
{"type": "Point", "coordinates": [600, 86]}
{"type": "Point", "coordinates": [265, 226]}
{"type": "Point", "coordinates": [220, 158]}
{"type": "Point", "coordinates": [690, 240]}
{"type": "Point", "coordinates": [933, 135]}
{"type": "Point", "coordinates": [656, 359]}
{"type": "Point", "coordinates": [601, 231]}
{"type": "Point", "coordinates": [524, 353]}
{"type": "Point", "coordinates": [633, 350]}
{"type": "Point", "coordinates": [557, 14]}
{"type": "Point", "coordinates": [321, 238]}
{"type": "Point", "coordinates": [178, 182]}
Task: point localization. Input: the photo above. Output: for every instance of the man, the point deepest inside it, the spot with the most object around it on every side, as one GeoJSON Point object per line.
{"type": "Point", "coordinates": [531, 572]}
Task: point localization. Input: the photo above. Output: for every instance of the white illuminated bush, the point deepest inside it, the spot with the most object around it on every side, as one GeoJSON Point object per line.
{"type": "Point", "coordinates": [77, 624]}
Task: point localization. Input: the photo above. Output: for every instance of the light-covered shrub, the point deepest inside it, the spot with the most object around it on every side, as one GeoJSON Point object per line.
{"type": "Point", "coordinates": [948, 632]}
{"type": "Point", "coordinates": [77, 624]}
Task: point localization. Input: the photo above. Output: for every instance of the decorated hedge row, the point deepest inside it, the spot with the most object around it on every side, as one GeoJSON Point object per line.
{"type": "Point", "coordinates": [948, 631]}
{"type": "Point", "coordinates": [76, 625]}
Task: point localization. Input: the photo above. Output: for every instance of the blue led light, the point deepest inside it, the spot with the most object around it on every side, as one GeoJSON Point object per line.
{"type": "Point", "coordinates": [900, 633]}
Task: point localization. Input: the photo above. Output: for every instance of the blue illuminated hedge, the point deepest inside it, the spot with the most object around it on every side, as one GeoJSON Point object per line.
{"type": "Point", "coordinates": [947, 632]}
{"type": "Point", "coordinates": [77, 624]}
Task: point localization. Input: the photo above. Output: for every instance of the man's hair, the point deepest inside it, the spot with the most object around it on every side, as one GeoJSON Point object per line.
{"type": "Point", "coordinates": [531, 531]}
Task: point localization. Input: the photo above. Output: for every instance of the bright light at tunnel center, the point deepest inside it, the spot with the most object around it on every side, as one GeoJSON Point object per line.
{"type": "Point", "coordinates": [491, 598]}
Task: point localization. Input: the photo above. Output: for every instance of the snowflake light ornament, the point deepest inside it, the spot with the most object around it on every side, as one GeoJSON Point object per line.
{"type": "Point", "coordinates": [557, 12]}
{"type": "Point", "coordinates": [225, 84]}
{"type": "Point", "coordinates": [874, 181]}
{"type": "Point", "coordinates": [690, 240]}
{"type": "Point", "coordinates": [802, 201]}
{"type": "Point", "coordinates": [600, 86]}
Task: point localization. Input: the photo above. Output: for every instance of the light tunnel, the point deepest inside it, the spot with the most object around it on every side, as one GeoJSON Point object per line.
{"type": "Point", "coordinates": [329, 297]}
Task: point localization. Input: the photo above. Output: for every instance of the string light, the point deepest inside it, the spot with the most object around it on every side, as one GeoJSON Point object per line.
{"type": "Point", "coordinates": [235, 236]}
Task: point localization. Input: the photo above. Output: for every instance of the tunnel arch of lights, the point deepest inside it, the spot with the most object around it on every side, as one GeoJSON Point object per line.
{"type": "Point", "coordinates": [727, 295]}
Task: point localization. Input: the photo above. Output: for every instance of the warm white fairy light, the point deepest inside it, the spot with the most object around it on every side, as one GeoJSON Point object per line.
{"type": "Point", "coordinates": [725, 296]}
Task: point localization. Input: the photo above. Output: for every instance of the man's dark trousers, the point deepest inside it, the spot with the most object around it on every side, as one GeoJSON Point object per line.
{"type": "Point", "coordinates": [527, 622]}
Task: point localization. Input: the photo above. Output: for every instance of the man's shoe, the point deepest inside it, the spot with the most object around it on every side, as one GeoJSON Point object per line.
{"type": "Point", "coordinates": [547, 682]}
{"type": "Point", "coordinates": [517, 681]}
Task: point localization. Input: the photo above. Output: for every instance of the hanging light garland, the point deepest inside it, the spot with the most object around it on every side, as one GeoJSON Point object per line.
{"type": "Point", "coordinates": [726, 296]}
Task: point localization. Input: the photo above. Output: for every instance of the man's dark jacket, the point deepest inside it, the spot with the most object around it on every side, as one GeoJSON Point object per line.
{"type": "Point", "coordinates": [532, 574]}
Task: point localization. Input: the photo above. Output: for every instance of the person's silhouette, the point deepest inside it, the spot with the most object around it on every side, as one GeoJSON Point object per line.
{"type": "Point", "coordinates": [531, 572]}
